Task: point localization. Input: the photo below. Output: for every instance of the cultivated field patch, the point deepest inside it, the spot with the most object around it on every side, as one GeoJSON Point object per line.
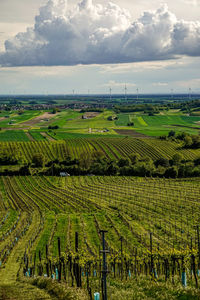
{"type": "Point", "coordinates": [44, 117]}
{"type": "Point", "coordinates": [131, 132]}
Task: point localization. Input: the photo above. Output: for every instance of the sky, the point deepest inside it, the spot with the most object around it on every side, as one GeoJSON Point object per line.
{"type": "Point", "coordinates": [90, 46]}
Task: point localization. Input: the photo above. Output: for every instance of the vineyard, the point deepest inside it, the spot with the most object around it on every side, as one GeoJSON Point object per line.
{"type": "Point", "coordinates": [63, 237]}
{"type": "Point", "coordinates": [113, 148]}
{"type": "Point", "coordinates": [50, 226]}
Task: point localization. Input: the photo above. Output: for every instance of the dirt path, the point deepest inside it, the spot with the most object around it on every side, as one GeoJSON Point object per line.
{"type": "Point", "coordinates": [48, 137]}
{"type": "Point", "coordinates": [9, 273]}
{"type": "Point", "coordinates": [29, 136]}
{"type": "Point", "coordinates": [10, 288]}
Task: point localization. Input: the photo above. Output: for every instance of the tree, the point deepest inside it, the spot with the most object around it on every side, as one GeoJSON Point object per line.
{"type": "Point", "coordinates": [172, 133]}
{"type": "Point", "coordinates": [25, 170]}
{"type": "Point", "coordinates": [196, 171]}
{"type": "Point", "coordinates": [6, 158]}
{"type": "Point", "coordinates": [144, 169]}
{"type": "Point", "coordinates": [53, 127]}
{"type": "Point", "coordinates": [112, 169]}
{"type": "Point", "coordinates": [171, 172]}
{"type": "Point", "coordinates": [123, 162]}
{"type": "Point", "coordinates": [135, 158]}
{"type": "Point", "coordinates": [38, 160]}
{"type": "Point", "coordinates": [98, 168]}
{"type": "Point", "coordinates": [85, 161]}
{"type": "Point", "coordinates": [177, 158]}
{"type": "Point", "coordinates": [55, 110]}
{"type": "Point", "coordinates": [146, 159]}
{"type": "Point", "coordinates": [164, 162]}
{"type": "Point", "coordinates": [197, 161]}
{"type": "Point", "coordinates": [195, 141]}
{"type": "Point", "coordinates": [182, 135]}
{"type": "Point", "coordinates": [126, 171]}
{"type": "Point", "coordinates": [188, 141]}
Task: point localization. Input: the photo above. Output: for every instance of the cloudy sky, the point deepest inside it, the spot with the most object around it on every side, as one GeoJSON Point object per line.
{"type": "Point", "coordinates": [56, 46]}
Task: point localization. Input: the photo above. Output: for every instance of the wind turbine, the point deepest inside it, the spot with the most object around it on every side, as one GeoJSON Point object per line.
{"type": "Point", "coordinates": [125, 92]}
{"type": "Point", "coordinates": [190, 93]}
{"type": "Point", "coordinates": [172, 93]}
{"type": "Point", "coordinates": [110, 89]}
{"type": "Point", "coordinates": [137, 93]}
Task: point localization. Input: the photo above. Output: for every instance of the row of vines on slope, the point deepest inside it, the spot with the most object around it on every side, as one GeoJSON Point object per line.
{"type": "Point", "coordinates": [113, 148]}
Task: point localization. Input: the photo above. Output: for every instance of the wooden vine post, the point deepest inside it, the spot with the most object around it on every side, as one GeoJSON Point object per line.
{"type": "Point", "coordinates": [104, 271]}
{"type": "Point", "coordinates": [60, 265]}
{"type": "Point", "coordinates": [198, 240]}
{"type": "Point", "coordinates": [76, 264]}
{"type": "Point", "coordinates": [151, 250]}
{"type": "Point", "coordinates": [121, 240]}
{"type": "Point", "coordinates": [47, 261]}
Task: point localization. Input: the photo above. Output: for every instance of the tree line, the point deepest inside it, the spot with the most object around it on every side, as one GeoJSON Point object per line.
{"type": "Point", "coordinates": [98, 164]}
{"type": "Point", "coordinates": [189, 141]}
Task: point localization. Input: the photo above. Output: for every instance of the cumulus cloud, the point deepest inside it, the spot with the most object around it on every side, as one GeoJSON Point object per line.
{"type": "Point", "coordinates": [96, 34]}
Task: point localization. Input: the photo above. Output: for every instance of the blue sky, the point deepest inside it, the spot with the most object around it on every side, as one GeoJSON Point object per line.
{"type": "Point", "coordinates": [95, 45]}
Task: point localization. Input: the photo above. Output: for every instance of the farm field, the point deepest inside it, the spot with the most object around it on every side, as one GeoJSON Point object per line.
{"type": "Point", "coordinates": [72, 122]}
{"type": "Point", "coordinates": [160, 124]}
{"type": "Point", "coordinates": [111, 147]}
{"type": "Point", "coordinates": [13, 135]}
{"type": "Point", "coordinates": [15, 119]}
{"type": "Point", "coordinates": [36, 135]}
{"type": "Point", "coordinates": [61, 118]}
{"type": "Point", "coordinates": [37, 211]}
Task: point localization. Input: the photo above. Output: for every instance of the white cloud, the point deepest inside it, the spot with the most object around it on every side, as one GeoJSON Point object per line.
{"type": "Point", "coordinates": [160, 84]}
{"type": "Point", "coordinates": [113, 83]}
{"type": "Point", "coordinates": [41, 71]}
{"type": "Point", "coordinates": [194, 83]}
{"type": "Point", "coordinates": [96, 34]}
{"type": "Point", "coordinates": [141, 66]}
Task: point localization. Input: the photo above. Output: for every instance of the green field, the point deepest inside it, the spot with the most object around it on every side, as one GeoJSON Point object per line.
{"type": "Point", "coordinates": [13, 135]}
{"type": "Point", "coordinates": [39, 210]}
{"type": "Point", "coordinates": [61, 119]}
{"type": "Point", "coordinates": [36, 135]}
{"type": "Point", "coordinates": [73, 122]}
{"type": "Point", "coordinates": [13, 119]}
{"type": "Point", "coordinates": [64, 135]}
{"type": "Point", "coordinates": [123, 120]}
{"type": "Point", "coordinates": [160, 124]}
{"type": "Point", "coordinates": [69, 119]}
